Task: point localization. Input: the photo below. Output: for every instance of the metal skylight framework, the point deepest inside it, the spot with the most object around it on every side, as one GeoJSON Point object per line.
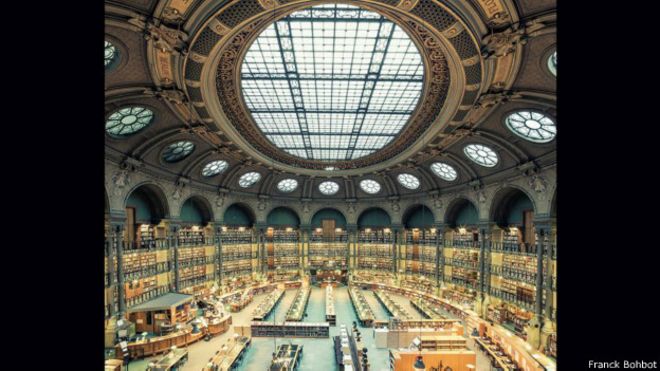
{"type": "Point", "coordinates": [177, 151]}
{"type": "Point", "coordinates": [482, 155]}
{"type": "Point", "coordinates": [533, 126]}
{"type": "Point", "coordinates": [247, 180]}
{"type": "Point", "coordinates": [408, 180]}
{"type": "Point", "coordinates": [444, 171]}
{"type": "Point", "coordinates": [328, 188]}
{"type": "Point", "coordinates": [370, 186]}
{"type": "Point", "coordinates": [332, 82]}
{"type": "Point", "coordinates": [214, 168]}
{"type": "Point", "coordinates": [287, 185]}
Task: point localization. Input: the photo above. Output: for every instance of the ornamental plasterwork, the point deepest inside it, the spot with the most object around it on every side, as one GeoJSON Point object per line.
{"type": "Point", "coordinates": [120, 180]}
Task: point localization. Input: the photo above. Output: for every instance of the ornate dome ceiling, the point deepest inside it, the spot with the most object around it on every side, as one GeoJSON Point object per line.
{"type": "Point", "coordinates": [406, 97]}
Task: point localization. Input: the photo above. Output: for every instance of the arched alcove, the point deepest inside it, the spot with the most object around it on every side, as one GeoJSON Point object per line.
{"type": "Point", "coordinates": [461, 212]}
{"type": "Point", "coordinates": [374, 217]}
{"type": "Point", "coordinates": [239, 215]}
{"type": "Point", "coordinates": [196, 210]}
{"type": "Point", "coordinates": [328, 213]}
{"type": "Point", "coordinates": [149, 204]}
{"type": "Point", "coordinates": [510, 206]}
{"type": "Point", "coordinates": [418, 216]}
{"type": "Point", "coordinates": [282, 217]}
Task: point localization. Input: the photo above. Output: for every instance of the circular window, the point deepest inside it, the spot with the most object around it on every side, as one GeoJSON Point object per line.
{"type": "Point", "coordinates": [481, 154]}
{"type": "Point", "coordinates": [328, 188]}
{"type": "Point", "coordinates": [248, 179]}
{"type": "Point", "coordinates": [408, 180]}
{"type": "Point", "coordinates": [370, 186]}
{"type": "Point", "coordinates": [552, 63]}
{"type": "Point", "coordinates": [214, 168]}
{"type": "Point", "coordinates": [178, 151]}
{"type": "Point", "coordinates": [533, 126]}
{"type": "Point", "coordinates": [287, 185]}
{"type": "Point", "coordinates": [349, 76]}
{"type": "Point", "coordinates": [128, 120]}
{"type": "Point", "coordinates": [111, 54]}
{"type": "Point", "coordinates": [444, 171]}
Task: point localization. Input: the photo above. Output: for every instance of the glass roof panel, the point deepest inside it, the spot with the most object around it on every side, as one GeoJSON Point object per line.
{"type": "Point", "coordinates": [332, 82]}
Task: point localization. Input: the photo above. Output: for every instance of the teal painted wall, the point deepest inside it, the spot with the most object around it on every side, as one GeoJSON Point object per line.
{"type": "Point", "coordinates": [515, 209]}
{"type": "Point", "coordinates": [142, 206]}
{"type": "Point", "coordinates": [419, 219]}
{"type": "Point", "coordinates": [190, 213]}
{"type": "Point", "coordinates": [281, 216]}
{"type": "Point", "coordinates": [374, 218]}
{"type": "Point", "coordinates": [467, 215]}
{"type": "Point", "coordinates": [237, 216]}
{"type": "Point", "coordinates": [340, 221]}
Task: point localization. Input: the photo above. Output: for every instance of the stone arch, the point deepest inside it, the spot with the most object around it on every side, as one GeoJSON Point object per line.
{"type": "Point", "coordinates": [342, 222]}
{"type": "Point", "coordinates": [501, 202]}
{"type": "Point", "coordinates": [202, 204]}
{"type": "Point", "coordinates": [455, 206]}
{"type": "Point", "coordinates": [283, 215]}
{"type": "Point", "coordinates": [412, 213]}
{"type": "Point", "coordinates": [374, 213]}
{"type": "Point", "coordinates": [157, 198]}
{"type": "Point", "coordinates": [243, 208]}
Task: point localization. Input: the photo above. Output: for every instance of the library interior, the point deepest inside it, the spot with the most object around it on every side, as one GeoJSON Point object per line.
{"type": "Point", "coordinates": [330, 185]}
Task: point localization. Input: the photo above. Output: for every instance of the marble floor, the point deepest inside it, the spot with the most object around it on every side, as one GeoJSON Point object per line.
{"type": "Point", "coordinates": [317, 353]}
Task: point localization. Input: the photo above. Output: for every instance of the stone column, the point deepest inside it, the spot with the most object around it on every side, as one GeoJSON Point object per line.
{"type": "Point", "coordinates": [396, 233]}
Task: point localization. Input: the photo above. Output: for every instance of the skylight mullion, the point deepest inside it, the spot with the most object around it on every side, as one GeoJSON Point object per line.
{"type": "Point", "coordinates": [354, 132]}
{"type": "Point", "coordinates": [299, 107]}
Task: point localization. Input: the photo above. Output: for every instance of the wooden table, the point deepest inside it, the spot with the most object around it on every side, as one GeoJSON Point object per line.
{"type": "Point", "coordinates": [501, 361]}
{"type": "Point", "coordinates": [170, 360]}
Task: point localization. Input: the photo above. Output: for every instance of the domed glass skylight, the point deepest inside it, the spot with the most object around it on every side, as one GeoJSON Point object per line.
{"type": "Point", "coordinates": [481, 154]}
{"type": "Point", "coordinates": [178, 151]}
{"type": "Point", "coordinates": [328, 188]}
{"type": "Point", "coordinates": [128, 120]}
{"type": "Point", "coordinates": [248, 179]}
{"type": "Point", "coordinates": [444, 171]}
{"type": "Point", "coordinates": [214, 168]}
{"type": "Point", "coordinates": [332, 82]}
{"type": "Point", "coordinates": [370, 186]}
{"type": "Point", "coordinates": [287, 185]}
{"type": "Point", "coordinates": [408, 180]}
{"type": "Point", "coordinates": [533, 126]}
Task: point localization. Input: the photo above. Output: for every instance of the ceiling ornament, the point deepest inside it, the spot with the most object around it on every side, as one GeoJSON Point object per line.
{"type": "Point", "coordinates": [120, 179]}
{"type": "Point", "coordinates": [164, 38]}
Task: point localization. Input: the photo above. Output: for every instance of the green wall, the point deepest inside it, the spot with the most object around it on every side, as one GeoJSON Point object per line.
{"type": "Point", "coordinates": [467, 215]}
{"type": "Point", "coordinates": [191, 213]}
{"type": "Point", "coordinates": [374, 218]}
{"type": "Point", "coordinates": [142, 206]}
{"type": "Point", "coordinates": [340, 221]}
{"type": "Point", "coordinates": [282, 216]}
{"type": "Point", "coordinates": [516, 206]}
{"type": "Point", "coordinates": [417, 218]}
{"type": "Point", "coordinates": [235, 215]}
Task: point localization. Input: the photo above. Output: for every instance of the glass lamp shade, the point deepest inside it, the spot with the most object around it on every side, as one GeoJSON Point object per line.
{"type": "Point", "coordinates": [419, 364]}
